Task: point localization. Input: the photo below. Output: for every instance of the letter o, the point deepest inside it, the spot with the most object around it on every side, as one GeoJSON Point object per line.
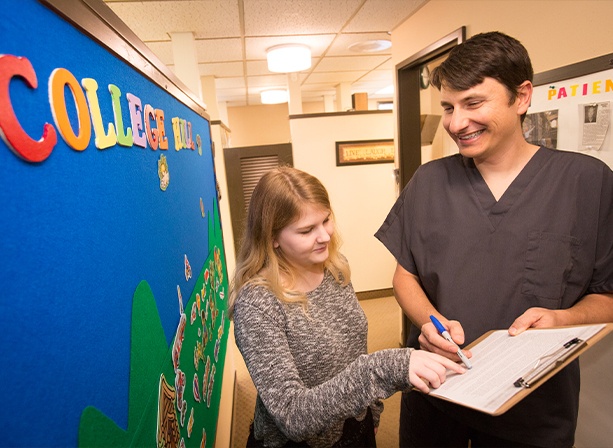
{"type": "Point", "coordinates": [59, 78]}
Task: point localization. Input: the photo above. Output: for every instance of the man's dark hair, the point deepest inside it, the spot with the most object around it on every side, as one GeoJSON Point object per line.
{"type": "Point", "coordinates": [486, 55]}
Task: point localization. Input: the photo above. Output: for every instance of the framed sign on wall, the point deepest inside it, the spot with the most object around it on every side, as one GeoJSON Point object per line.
{"type": "Point", "coordinates": [364, 152]}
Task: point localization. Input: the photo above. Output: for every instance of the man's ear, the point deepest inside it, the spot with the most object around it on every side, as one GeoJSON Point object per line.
{"type": "Point", "coordinates": [524, 97]}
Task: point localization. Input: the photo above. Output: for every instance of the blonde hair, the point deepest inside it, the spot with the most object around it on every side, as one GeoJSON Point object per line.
{"type": "Point", "coordinates": [277, 201]}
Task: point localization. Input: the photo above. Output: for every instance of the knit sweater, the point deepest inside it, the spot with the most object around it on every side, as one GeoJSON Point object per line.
{"type": "Point", "coordinates": [311, 371]}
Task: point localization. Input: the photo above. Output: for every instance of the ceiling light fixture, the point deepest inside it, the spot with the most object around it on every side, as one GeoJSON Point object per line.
{"type": "Point", "coordinates": [274, 96]}
{"type": "Point", "coordinates": [288, 58]}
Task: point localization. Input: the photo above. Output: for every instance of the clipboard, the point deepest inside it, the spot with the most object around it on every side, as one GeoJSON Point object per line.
{"type": "Point", "coordinates": [510, 394]}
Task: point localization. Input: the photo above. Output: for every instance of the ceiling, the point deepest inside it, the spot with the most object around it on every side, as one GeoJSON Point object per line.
{"type": "Point", "coordinates": [232, 36]}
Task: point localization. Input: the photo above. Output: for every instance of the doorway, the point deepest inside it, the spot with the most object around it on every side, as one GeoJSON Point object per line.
{"type": "Point", "coordinates": [412, 76]}
{"type": "Point", "coordinates": [244, 167]}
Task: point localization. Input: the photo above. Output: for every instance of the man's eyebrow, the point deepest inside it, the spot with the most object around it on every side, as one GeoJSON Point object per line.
{"type": "Point", "coordinates": [468, 98]}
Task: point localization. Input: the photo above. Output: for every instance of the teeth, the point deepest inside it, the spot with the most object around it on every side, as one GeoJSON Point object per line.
{"type": "Point", "coordinates": [469, 136]}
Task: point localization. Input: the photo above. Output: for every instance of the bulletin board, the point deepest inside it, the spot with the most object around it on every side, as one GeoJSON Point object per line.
{"type": "Point", "coordinates": [113, 320]}
{"type": "Point", "coordinates": [571, 108]}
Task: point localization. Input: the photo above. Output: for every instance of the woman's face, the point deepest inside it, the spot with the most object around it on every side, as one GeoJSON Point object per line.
{"type": "Point", "coordinates": [304, 242]}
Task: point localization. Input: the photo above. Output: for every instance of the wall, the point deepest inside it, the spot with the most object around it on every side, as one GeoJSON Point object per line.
{"type": "Point", "coordinates": [259, 125]}
{"type": "Point", "coordinates": [361, 195]}
{"type": "Point", "coordinates": [556, 34]}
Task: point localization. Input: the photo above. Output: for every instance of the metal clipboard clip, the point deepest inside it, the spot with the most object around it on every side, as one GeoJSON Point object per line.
{"type": "Point", "coordinates": [549, 362]}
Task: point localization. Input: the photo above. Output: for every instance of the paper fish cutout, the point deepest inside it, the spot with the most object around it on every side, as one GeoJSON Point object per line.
{"type": "Point", "coordinates": [196, 388]}
{"type": "Point", "coordinates": [179, 387]}
{"type": "Point", "coordinates": [188, 269]}
{"type": "Point", "coordinates": [163, 173]}
{"type": "Point", "coordinates": [180, 299]}
{"type": "Point", "coordinates": [178, 342]}
{"type": "Point", "coordinates": [190, 423]}
{"type": "Point", "coordinates": [167, 428]}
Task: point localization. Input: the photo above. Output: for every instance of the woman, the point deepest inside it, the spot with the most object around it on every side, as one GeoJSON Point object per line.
{"type": "Point", "coordinates": [301, 331]}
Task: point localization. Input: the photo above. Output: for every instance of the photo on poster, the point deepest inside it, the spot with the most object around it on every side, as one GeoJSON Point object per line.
{"type": "Point", "coordinates": [595, 119]}
{"type": "Point", "coordinates": [541, 128]}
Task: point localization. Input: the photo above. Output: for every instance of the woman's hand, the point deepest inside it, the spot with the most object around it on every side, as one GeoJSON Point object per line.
{"type": "Point", "coordinates": [430, 370]}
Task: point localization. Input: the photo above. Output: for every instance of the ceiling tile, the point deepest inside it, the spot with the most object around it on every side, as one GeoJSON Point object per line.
{"type": "Point", "coordinates": [297, 16]}
{"type": "Point", "coordinates": [270, 81]}
{"type": "Point", "coordinates": [219, 50]}
{"type": "Point", "coordinates": [382, 15]}
{"type": "Point", "coordinates": [350, 63]}
{"type": "Point", "coordinates": [153, 20]}
{"type": "Point", "coordinates": [257, 68]}
{"type": "Point", "coordinates": [334, 78]}
{"type": "Point", "coordinates": [222, 69]}
{"type": "Point", "coordinates": [230, 83]}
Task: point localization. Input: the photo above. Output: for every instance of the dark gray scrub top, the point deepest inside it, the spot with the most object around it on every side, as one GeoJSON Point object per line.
{"type": "Point", "coordinates": [546, 243]}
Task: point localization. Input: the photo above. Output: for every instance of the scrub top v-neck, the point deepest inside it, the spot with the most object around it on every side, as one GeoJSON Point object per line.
{"type": "Point", "coordinates": [494, 209]}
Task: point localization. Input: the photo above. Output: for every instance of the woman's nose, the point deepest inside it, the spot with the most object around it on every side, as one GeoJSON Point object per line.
{"type": "Point", "coordinates": [323, 236]}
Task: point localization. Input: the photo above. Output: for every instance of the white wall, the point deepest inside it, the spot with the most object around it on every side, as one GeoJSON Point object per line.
{"type": "Point", "coordinates": [361, 195]}
{"type": "Point", "coordinates": [556, 33]}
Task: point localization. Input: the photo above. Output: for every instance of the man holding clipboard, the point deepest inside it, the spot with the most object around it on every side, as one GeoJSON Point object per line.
{"type": "Point", "coordinates": [504, 234]}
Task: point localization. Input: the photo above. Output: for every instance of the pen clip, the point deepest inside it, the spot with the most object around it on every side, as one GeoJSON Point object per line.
{"type": "Point", "coordinates": [548, 362]}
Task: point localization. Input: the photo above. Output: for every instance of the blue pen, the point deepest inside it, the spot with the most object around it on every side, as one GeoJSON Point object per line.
{"type": "Point", "coordinates": [444, 333]}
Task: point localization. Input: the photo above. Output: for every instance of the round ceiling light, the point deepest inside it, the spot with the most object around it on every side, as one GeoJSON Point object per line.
{"type": "Point", "coordinates": [274, 96]}
{"type": "Point", "coordinates": [288, 58]}
{"type": "Point", "coordinates": [370, 46]}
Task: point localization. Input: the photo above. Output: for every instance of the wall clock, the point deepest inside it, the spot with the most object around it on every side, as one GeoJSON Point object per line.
{"type": "Point", "coordinates": [424, 77]}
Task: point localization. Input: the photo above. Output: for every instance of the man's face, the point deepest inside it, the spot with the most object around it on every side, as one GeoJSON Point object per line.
{"type": "Point", "coordinates": [591, 113]}
{"type": "Point", "coordinates": [481, 121]}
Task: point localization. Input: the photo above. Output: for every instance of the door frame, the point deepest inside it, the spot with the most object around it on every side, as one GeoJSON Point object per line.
{"type": "Point", "coordinates": [407, 99]}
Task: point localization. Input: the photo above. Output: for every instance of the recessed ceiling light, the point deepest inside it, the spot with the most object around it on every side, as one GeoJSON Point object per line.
{"type": "Point", "coordinates": [370, 46]}
{"type": "Point", "coordinates": [274, 96]}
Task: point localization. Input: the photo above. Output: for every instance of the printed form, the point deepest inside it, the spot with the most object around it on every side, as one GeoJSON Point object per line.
{"type": "Point", "coordinates": [499, 360]}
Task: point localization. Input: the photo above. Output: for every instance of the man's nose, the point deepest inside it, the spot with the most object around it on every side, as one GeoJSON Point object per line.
{"type": "Point", "coordinates": [457, 121]}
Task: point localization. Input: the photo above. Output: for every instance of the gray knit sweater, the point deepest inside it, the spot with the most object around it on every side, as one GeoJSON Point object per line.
{"type": "Point", "coordinates": [311, 371]}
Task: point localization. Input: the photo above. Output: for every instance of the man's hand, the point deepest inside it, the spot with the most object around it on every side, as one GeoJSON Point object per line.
{"type": "Point", "coordinates": [537, 318]}
{"type": "Point", "coordinates": [432, 341]}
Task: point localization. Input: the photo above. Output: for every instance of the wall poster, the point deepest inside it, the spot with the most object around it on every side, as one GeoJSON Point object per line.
{"type": "Point", "coordinates": [571, 109]}
{"type": "Point", "coordinates": [113, 316]}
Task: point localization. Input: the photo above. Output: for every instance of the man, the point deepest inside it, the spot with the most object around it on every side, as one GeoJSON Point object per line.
{"type": "Point", "coordinates": [504, 234]}
{"type": "Point", "coordinates": [590, 114]}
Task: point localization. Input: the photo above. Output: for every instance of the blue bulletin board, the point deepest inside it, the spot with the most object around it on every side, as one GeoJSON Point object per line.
{"type": "Point", "coordinates": [113, 321]}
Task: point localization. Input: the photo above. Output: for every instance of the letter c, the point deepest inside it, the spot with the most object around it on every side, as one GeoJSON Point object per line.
{"type": "Point", "coordinates": [10, 130]}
